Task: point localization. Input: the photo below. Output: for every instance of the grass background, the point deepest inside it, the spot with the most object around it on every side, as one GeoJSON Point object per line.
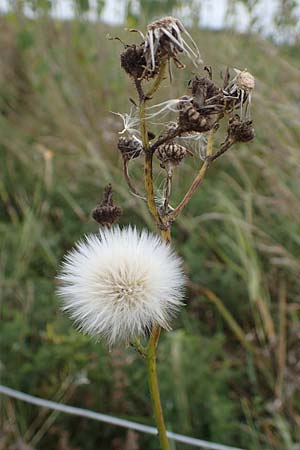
{"type": "Point", "coordinates": [229, 372]}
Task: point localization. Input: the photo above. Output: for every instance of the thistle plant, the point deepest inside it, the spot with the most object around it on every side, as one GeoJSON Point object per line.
{"type": "Point", "coordinates": [125, 285]}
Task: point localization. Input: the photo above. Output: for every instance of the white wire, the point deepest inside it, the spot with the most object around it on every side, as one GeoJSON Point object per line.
{"type": "Point", "coordinates": [110, 419]}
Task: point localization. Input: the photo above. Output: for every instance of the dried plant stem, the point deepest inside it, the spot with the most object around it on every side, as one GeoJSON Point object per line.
{"type": "Point", "coordinates": [148, 167]}
{"type": "Point", "coordinates": [166, 235]}
{"type": "Point", "coordinates": [168, 190]}
{"type": "Point", "coordinates": [154, 389]}
{"type": "Point", "coordinates": [148, 174]}
{"type": "Point", "coordinates": [226, 146]}
{"type": "Point", "coordinates": [197, 181]}
{"type": "Point", "coordinates": [131, 186]}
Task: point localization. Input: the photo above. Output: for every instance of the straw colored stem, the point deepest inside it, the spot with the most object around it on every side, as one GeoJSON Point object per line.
{"type": "Point", "coordinates": [148, 167]}
{"type": "Point", "coordinates": [131, 186]}
{"type": "Point", "coordinates": [197, 181]}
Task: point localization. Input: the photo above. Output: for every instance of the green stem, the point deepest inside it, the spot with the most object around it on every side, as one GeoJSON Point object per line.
{"type": "Point", "coordinates": [154, 389]}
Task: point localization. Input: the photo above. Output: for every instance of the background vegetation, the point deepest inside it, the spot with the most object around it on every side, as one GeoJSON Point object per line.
{"type": "Point", "coordinates": [230, 369]}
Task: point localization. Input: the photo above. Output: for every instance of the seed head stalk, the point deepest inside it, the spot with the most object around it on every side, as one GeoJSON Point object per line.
{"type": "Point", "coordinates": [199, 112]}
{"type": "Point", "coordinates": [165, 231]}
{"type": "Point", "coordinates": [148, 167]}
{"type": "Point", "coordinates": [166, 235]}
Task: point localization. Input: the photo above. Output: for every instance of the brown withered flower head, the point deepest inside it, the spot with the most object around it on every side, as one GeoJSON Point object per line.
{"type": "Point", "coordinates": [133, 61]}
{"type": "Point", "coordinates": [164, 41]}
{"type": "Point", "coordinates": [206, 94]}
{"type": "Point", "coordinates": [171, 154]}
{"type": "Point", "coordinates": [193, 119]}
{"type": "Point", "coordinates": [240, 131]}
{"type": "Point", "coordinates": [107, 213]}
{"type": "Point", "coordinates": [130, 147]}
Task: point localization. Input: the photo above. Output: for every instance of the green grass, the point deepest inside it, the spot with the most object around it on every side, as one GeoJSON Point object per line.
{"type": "Point", "coordinates": [239, 237]}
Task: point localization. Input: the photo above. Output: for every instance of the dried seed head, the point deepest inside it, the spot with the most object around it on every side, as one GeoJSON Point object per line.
{"type": "Point", "coordinates": [190, 118]}
{"type": "Point", "coordinates": [203, 89]}
{"type": "Point", "coordinates": [134, 63]}
{"type": "Point", "coordinates": [245, 80]}
{"type": "Point", "coordinates": [130, 147]}
{"type": "Point", "coordinates": [240, 131]}
{"type": "Point", "coordinates": [164, 41]}
{"type": "Point", "coordinates": [170, 155]}
{"type": "Point", "coordinates": [106, 213]}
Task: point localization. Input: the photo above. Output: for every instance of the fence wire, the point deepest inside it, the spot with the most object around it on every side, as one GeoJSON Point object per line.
{"type": "Point", "coordinates": [110, 419]}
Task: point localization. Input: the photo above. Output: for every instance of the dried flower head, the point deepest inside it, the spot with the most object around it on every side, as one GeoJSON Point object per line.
{"type": "Point", "coordinates": [107, 213]}
{"type": "Point", "coordinates": [240, 131]}
{"type": "Point", "coordinates": [205, 92]}
{"type": "Point", "coordinates": [133, 61]}
{"type": "Point", "coordinates": [240, 90]}
{"type": "Point", "coordinates": [164, 41]}
{"type": "Point", "coordinates": [170, 155]}
{"type": "Point", "coordinates": [130, 147]}
{"type": "Point", "coordinates": [190, 119]}
{"type": "Point", "coordinates": [119, 283]}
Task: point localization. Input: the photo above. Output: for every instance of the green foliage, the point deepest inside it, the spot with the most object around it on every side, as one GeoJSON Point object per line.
{"type": "Point", "coordinates": [239, 238]}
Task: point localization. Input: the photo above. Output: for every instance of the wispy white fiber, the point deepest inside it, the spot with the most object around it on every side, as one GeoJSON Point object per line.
{"type": "Point", "coordinates": [119, 283]}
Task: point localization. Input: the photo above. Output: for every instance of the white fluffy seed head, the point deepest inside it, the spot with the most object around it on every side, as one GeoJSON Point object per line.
{"type": "Point", "coordinates": [119, 283]}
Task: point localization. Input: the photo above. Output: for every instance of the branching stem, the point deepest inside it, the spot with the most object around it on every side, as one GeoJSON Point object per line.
{"type": "Point", "coordinates": [168, 190]}
{"type": "Point", "coordinates": [197, 181]}
{"type": "Point", "coordinates": [131, 186]}
{"type": "Point", "coordinates": [148, 167]}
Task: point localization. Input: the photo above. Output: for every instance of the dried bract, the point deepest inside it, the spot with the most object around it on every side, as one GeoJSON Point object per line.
{"type": "Point", "coordinates": [107, 213]}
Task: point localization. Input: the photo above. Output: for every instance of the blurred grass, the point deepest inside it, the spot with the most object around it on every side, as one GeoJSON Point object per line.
{"type": "Point", "coordinates": [239, 237]}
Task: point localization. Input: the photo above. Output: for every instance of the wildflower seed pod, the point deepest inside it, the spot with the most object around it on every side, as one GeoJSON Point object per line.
{"type": "Point", "coordinates": [240, 131]}
{"type": "Point", "coordinates": [130, 147]}
{"type": "Point", "coordinates": [106, 213]}
{"type": "Point", "coordinates": [170, 155]}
